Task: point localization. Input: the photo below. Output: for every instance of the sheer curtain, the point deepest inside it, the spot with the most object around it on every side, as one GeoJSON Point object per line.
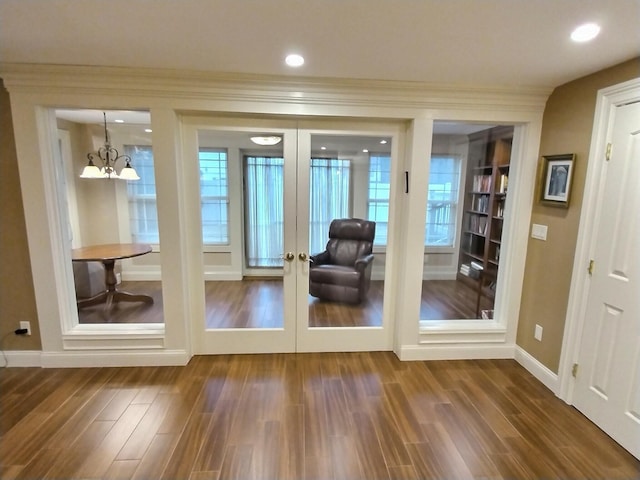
{"type": "Point", "coordinates": [329, 198]}
{"type": "Point", "coordinates": [264, 211]}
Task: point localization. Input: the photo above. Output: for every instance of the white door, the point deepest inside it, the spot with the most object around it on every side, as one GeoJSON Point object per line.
{"type": "Point", "coordinates": [607, 386]}
{"type": "Point", "coordinates": [256, 279]}
{"type": "Point", "coordinates": [345, 174]}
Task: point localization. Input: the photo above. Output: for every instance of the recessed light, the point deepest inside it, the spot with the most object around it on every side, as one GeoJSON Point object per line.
{"type": "Point", "coordinates": [585, 32]}
{"type": "Point", "coordinates": [323, 148]}
{"type": "Point", "coordinates": [148, 130]}
{"type": "Point", "coordinates": [364, 150]}
{"type": "Point", "coordinates": [118, 120]}
{"type": "Point", "coordinates": [294, 60]}
{"type": "Point", "coordinates": [383, 142]}
{"type": "Point", "coordinates": [266, 140]}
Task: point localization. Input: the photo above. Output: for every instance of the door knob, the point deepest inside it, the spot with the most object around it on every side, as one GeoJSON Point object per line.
{"type": "Point", "coordinates": [289, 256]}
{"type": "Point", "coordinates": [303, 257]}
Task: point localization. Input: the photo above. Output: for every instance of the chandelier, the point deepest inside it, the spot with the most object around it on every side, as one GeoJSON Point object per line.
{"type": "Point", "coordinates": [106, 157]}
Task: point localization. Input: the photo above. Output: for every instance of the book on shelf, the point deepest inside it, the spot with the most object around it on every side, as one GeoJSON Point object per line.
{"type": "Point", "coordinates": [467, 271]}
{"type": "Point", "coordinates": [478, 224]}
{"type": "Point", "coordinates": [482, 183]}
{"type": "Point", "coordinates": [504, 181]}
{"type": "Point", "coordinates": [476, 266]}
{"type": "Point", "coordinates": [481, 203]}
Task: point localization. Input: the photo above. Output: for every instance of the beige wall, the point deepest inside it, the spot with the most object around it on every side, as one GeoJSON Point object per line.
{"type": "Point", "coordinates": [17, 298]}
{"type": "Point", "coordinates": [566, 128]}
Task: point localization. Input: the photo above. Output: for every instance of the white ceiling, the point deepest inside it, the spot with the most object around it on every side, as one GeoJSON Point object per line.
{"type": "Point", "coordinates": [469, 42]}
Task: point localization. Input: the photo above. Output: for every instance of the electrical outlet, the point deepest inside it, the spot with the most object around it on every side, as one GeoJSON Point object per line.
{"type": "Point", "coordinates": [26, 325]}
{"type": "Point", "coordinates": [537, 334]}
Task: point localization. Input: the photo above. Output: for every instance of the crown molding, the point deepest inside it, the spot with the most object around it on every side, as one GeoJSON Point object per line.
{"type": "Point", "coordinates": [183, 84]}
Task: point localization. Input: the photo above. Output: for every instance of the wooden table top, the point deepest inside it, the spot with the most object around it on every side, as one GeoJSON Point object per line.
{"type": "Point", "coordinates": [112, 251]}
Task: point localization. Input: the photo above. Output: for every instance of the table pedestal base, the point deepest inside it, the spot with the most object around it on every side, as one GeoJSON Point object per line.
{"type": "Point", "coordinates": [111, 294]}
{"type": "Point", "coordinates": [108, 298]}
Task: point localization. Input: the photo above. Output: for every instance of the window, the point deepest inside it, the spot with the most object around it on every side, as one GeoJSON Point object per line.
{"type": "Point", "coordinates": [214, 196]}
{"type": "Point", "coordinates": [214, 192]}
{"type": "Point", "coordinates": [329, 198]}
{"type": "Point", "coordinates": [442, 201]}
{"type": "Point", "coordinates": [444, 185]}
{"type": "Point", "coordinates": [143, 214]}
{"type": "Point", "coordinates": [379, 190]}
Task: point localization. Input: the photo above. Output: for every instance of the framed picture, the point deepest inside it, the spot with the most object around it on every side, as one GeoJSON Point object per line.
{"type": "Point", "coordinates": [557, 172]}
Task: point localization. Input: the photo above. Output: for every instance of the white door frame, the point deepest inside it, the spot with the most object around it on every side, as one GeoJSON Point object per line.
{"type": "Point", "coordinates": [295, 335]}
{"type": "Point", "coordinates": [607, 101]}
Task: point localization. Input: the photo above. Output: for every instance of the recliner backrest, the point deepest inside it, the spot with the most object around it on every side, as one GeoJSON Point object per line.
{"type": "Point", "coordinates": [350, 239]}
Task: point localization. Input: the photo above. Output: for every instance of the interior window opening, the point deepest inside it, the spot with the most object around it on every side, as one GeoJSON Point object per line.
{"type": "Point", "coordinates": [108, 203]}
{"type": "Point", "coordinates": [468, 189]}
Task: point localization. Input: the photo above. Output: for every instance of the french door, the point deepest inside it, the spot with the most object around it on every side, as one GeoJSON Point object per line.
{"type": "Point", "coordinates": [276, 209]}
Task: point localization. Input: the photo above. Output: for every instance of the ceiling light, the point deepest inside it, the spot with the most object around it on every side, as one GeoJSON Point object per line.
{"type": "Point", "coordinates": [383, 142]}
{"type": "Point", "coordinates": [266, 140]}
{"type": "Point", "coordinates": [585, 32]}
{"type": "Point", "coordinates": [108, 156]}
{"type": "Point", "coordinates": [294, 60]}
{"type": "Point", "coordinates": [118, 120]}
{"type": "Point", "coordinates": [364, 150]}
{"type": "Point", "coordinates": [148, 130]}
{"type": "Point", "coordinates": [323, 148]}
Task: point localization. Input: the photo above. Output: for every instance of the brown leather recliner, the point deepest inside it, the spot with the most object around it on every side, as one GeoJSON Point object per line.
{"type": "Point", "coordinates": [342, 273]}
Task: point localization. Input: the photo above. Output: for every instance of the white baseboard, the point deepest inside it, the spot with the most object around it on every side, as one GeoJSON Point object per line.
{"type": "Point", "coordinates": [96, 359]}
{"type": "Point", "coordinates": [457, 352]}
{"type": "Point", "coordinates": [537, 369]}
{"type": "Point", "coordinates": [222, 276]}
{"type": "Point", "coordinates": [21, 358]}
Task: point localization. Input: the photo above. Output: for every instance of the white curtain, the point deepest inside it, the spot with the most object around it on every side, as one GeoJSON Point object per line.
{"type": "Point", "coordinates": [264, 211]}
{"type": "Point", "coordinates": [329, 198]}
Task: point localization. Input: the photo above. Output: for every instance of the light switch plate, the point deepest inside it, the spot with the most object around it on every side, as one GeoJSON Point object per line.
{"type": "Point", "coordinates": [539, 231]}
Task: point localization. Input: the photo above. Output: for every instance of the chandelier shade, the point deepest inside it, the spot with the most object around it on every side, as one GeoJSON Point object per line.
{"type": "Point", "coordinates": [106, 158]}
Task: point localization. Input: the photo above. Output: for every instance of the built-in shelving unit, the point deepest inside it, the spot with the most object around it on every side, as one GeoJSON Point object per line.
{"type": "Point", "coordinates": [486, 187]}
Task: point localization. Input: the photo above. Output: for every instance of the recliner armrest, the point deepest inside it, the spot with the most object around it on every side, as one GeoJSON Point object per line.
{"type": "Point", "coordinates": [363, 262]}
{"type": "Point", "coordinates": [319, 258]}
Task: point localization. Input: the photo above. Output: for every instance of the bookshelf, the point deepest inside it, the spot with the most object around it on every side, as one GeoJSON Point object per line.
{"type": "Point", "coordinates": [486, 187]}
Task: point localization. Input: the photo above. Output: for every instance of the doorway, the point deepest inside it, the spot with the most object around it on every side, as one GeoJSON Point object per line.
{"type": "Point", "coordinates": [276, 203]}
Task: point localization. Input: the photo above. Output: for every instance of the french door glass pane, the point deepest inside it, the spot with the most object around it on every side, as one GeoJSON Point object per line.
{"type": "Point", "coordinates": [242, 196]}
{"type": "Point", "coordinates": [349, 179]}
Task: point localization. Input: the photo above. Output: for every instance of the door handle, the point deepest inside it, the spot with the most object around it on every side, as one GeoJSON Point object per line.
{"type": "Point", "coordinates": [304, 257]}
{"type": "Point", "coordinates": [289, 256]}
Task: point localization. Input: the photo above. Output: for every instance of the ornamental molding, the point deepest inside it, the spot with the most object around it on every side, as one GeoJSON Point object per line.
{"type": "Point", "coordinates": [51, 79]}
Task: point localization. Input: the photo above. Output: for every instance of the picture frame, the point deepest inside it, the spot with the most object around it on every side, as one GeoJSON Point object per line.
{"type": "Point", "coordinates": [557, 176]}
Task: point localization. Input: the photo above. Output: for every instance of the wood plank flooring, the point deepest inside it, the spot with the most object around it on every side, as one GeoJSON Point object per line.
{"type": "Point", "coordinates": [298, 416]}
{"type": "Point", "coordinates": [258, 303]}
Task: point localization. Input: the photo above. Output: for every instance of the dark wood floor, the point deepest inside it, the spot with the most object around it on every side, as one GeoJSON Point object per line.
{"type": "Point", "coordinates": [298, 416]}
{"type": "Point", "coordinates": [258, 303]}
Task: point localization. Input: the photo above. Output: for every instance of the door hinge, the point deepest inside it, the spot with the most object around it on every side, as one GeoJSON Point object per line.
{"type": "Point", "coordinates": [592, 264]}
{"type": "Point", "coordinates": [574, 370]}
{"type": "Point", "coordinates": [608, 153]}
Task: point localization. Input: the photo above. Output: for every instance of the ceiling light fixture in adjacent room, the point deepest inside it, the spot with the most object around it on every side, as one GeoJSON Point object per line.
{"type": "Point", "coordinates": [108, 156]}
{"type": "Point", "coordinates": [585, 32]}
{"type": "Point", "coordinates": [266, 140]}
{"type": "Point", "coordinates": [294, 60]}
